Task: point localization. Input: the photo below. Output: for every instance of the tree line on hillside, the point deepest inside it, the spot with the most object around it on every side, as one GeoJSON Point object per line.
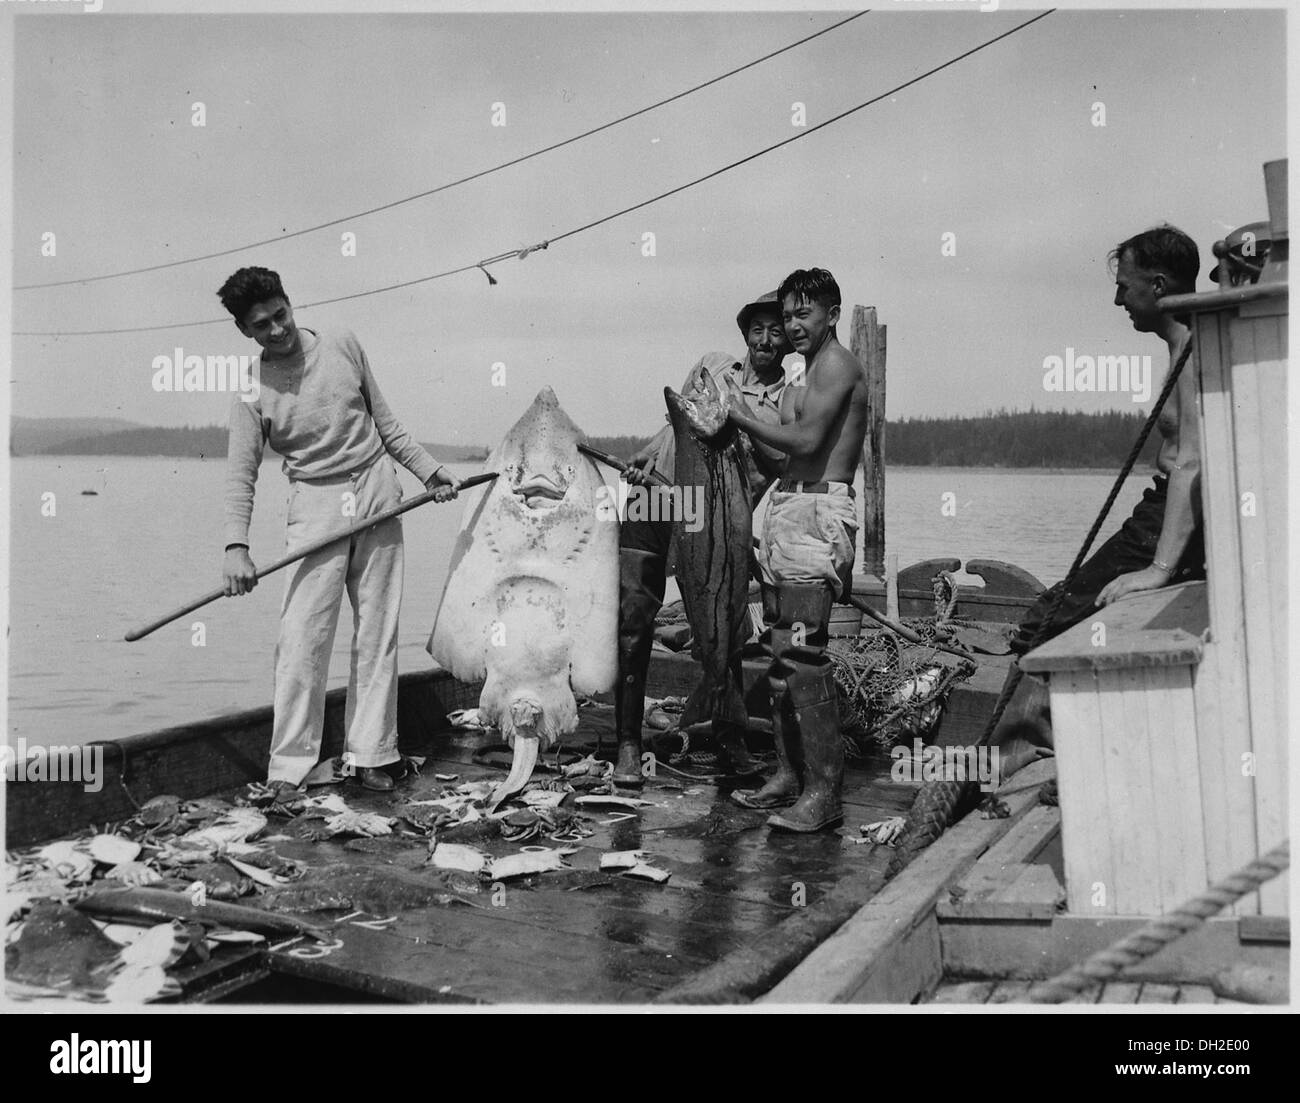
{"type": "Point", "coordinates": [1037, 438]}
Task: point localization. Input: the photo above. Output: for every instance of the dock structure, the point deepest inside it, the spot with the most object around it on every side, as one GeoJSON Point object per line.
{"type": "Point", "coordinates": [867, 343]}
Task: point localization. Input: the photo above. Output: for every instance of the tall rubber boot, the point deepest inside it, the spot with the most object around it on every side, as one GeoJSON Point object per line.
{"type": "Point", "coordinates": [817, 713]}
{"type": "Point", "coordinates": [804, 612]}
{"type": "Point", "coordinates": [733, 753]}
{"type": "Point", "coordinates": [782, 789]}
{"type": "Point", "coordinates": [789, 615]}
{"type": "Point", "coordinates": [638, 603]}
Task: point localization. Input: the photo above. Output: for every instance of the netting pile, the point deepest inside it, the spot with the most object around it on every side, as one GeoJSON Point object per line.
{"type": "Point", "coordinates": [892, 691]}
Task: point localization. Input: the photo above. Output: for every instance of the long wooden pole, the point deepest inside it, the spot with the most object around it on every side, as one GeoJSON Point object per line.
{"type": "Point", "coordinates": [302, 553]}
{"type": "Point", "coordinates": [867, 343]}
{"type": "Point", "coordinates": [618, 465]}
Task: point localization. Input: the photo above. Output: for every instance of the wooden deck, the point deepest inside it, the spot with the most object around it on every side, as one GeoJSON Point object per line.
{"type": "Point", "coordinates": [580, 937]}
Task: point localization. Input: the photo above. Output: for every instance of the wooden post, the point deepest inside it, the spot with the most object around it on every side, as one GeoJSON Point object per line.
{"type": "Point", "coordinates": [867, 343]}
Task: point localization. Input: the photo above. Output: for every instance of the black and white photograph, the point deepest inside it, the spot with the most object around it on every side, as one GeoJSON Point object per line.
{"type": "Point", "coordinates": [679, 509]}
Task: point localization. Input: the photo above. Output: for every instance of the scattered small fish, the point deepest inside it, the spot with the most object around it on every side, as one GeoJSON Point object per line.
{"type": "Point", "coordinates": [445, 777]}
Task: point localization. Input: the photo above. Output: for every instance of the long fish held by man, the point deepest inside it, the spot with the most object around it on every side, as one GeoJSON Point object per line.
{"type": "Point", "coordinates": [531, 599]}
{"type": "Point", "coordinates": [712, 556]}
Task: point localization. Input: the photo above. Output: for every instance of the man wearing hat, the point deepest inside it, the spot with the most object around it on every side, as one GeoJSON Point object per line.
{"type": "Point", "coordinates": [643, 545]}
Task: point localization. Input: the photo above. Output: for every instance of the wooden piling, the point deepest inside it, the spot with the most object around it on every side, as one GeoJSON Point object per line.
{"type": "Point", "coordinates": [867, 343]}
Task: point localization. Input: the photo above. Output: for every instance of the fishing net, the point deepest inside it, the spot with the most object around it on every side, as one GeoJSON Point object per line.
{"type": "Point", "coordinates": [891, 690]}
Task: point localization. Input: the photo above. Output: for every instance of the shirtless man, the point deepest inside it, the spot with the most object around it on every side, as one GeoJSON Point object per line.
{"type": "Point", "coordinates": [806, 552]}
{"type": "Point", "coordinates": [1162, 541]}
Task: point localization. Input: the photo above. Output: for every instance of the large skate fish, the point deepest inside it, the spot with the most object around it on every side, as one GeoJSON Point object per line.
{"type": "Point", "coordinates": [713, 560]}
{"type": "Point", "coordinates": [531, 599]}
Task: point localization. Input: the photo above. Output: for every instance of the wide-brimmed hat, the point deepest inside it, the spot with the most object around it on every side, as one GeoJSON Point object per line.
{"type": "Point", "coordinates": [766, 302]}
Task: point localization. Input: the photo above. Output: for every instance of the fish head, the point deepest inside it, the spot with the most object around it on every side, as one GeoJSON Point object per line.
{"type": "Point", "coordinates": [538, 459]}
{"type": "Point", "coordinates": [701, 404]}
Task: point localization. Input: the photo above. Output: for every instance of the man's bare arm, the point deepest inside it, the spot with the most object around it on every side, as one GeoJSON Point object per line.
{"type": "Point", "coordinates": [1180, 503]}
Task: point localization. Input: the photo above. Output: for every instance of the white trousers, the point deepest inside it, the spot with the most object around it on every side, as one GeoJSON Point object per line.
{"type": "Point", "coordinates": [368, 567]}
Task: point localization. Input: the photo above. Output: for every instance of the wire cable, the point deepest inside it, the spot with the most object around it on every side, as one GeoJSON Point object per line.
{"type": "Point", "coordinates": [454, 183]}
{"type": "Point", "coordinates": [523, 252]}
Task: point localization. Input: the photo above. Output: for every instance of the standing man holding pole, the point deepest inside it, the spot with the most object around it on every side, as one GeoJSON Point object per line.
{"type": "Point", "coordinates": [806, 553]}
{"type": "Point", "coordinates": [319, 408]}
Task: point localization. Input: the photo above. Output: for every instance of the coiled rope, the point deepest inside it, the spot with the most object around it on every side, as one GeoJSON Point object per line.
{"type": "Point", "coordinates": [1159, 933]}
{"type": "Point", "coordinates": [934, 805]}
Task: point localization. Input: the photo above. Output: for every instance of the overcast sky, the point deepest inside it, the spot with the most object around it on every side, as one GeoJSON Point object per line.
{"type": "Point", "coordinates": [312, 117]}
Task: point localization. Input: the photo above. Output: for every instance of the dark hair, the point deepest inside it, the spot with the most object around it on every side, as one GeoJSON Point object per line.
{"type": "Point", "coordinates": [814, 284]}
{"type": "Point", "coordinates": [1163, 249]}
{"type": "Point", "coordinates": [248, 287]}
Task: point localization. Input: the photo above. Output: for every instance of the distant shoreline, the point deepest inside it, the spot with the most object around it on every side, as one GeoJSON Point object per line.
{"type": "Point", "coordinates": [1047, 441]}
{"type": "Point", "coordinates": [1142, 471]}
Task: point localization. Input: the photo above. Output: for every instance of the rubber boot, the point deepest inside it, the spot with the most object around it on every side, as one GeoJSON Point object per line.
{"type": "Point", "coordinates": [804, 615]}
{"type": "Point", "coordinates": [817, 714]}
{"type": "Point", "coordinates": [733, 753]}
{"type": "Point", "coordinates": [638, 604]}
{"type": "Point", "coordinates": [782, 789]}
{"type": "Point", "coordinates": [794, 615]}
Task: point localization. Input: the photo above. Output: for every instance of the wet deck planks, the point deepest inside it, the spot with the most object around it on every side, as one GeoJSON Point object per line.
{"type": "Point", "coordinates": [625, 941]}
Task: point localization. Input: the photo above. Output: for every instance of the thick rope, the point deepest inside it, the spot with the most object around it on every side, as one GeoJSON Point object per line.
{"type": "Point", "coordinates": [1159, 933]}
{"type": "Point", "coordinates": [925, 820]}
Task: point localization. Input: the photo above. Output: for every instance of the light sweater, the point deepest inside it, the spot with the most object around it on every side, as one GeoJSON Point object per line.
{"type": "Point", "coordinates": [320, 410]}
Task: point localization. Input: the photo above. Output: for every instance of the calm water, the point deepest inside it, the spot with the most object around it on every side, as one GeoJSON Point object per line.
{"type": "Point", "coordinates": [151, 539]}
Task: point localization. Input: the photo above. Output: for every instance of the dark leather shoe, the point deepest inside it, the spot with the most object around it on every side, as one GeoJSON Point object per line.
{"type": "Point", "coordinates": [376, 778]}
